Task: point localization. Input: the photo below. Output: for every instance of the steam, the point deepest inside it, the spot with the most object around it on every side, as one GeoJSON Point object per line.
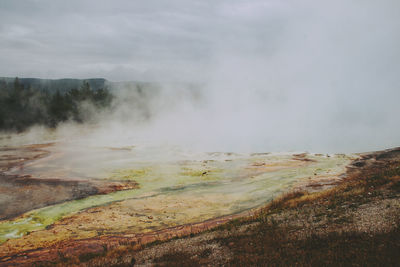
{"type": "Point", "coordinates": [269, 76]}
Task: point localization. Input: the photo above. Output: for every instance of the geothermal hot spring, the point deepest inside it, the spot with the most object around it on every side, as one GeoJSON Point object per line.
{"type": "Point", "coordinates": [137, 187]}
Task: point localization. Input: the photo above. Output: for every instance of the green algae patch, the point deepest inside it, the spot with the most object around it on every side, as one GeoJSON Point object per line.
{"type": "Point", "coordinates": [205, 174]}
{"type": "Point", "coordinates": [17, 228]}
{"type": "Point", "coordinates": [193, 173]}
{"type": "Point", "coordinates": [130, 174]}
{"type": "Point", "coordinates": [41, 218]}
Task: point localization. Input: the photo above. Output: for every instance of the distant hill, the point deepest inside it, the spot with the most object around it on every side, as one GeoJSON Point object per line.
{"type": "Point", "coordinates": [61, 85]}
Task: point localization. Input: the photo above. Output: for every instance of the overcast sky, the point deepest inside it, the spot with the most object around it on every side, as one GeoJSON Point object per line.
{"type": "Point", "coordinates": [119, 40]}
{"type": "Point", "coordinates": [283, 74]}
{"type": "Point", "coordinates": [181, 39]}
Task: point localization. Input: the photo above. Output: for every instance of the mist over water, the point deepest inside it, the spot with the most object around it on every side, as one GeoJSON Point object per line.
{"type": "Point", "coordinates": [271, 76]}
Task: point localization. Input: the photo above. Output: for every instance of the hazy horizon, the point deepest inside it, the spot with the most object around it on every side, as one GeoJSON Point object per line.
{"type": "Point", "coordinates": [275, 75]}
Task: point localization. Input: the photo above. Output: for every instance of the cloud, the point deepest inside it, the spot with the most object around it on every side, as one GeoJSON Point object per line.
{"type": "Point", "coordinates": [285, 74]}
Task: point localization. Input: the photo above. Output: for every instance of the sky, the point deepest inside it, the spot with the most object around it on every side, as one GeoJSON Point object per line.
{"type": "Point", "coordinates": [183, 40]}
{"type": "Point", "coordinates": [324, 74]}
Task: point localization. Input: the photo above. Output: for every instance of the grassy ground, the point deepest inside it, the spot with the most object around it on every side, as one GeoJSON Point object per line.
{"type": "Point", "coordinates": [353, 224]}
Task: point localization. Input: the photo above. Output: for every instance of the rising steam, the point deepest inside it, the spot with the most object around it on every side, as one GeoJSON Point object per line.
{"type": "Point", "coordinates": [273, 76]}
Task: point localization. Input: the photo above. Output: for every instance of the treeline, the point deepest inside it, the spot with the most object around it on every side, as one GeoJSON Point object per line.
{"type": "Point", "coordinates": [22, 106]}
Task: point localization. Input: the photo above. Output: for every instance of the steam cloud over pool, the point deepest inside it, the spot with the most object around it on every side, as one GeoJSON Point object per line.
{"type": "Point", "coordinates": [269, 75]}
